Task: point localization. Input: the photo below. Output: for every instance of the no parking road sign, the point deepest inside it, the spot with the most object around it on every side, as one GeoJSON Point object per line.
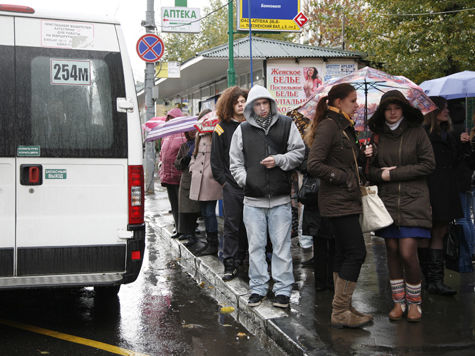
{"type": "Point", "coordinates": [150, 48]}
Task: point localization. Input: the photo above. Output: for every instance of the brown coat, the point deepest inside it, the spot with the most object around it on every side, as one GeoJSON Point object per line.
{"type": "Point", "coordinates": [406, 195]}
{"type": "Point", "coordinates": [203, 185]}
{"type": "Point", "coordinates": [331, 159]}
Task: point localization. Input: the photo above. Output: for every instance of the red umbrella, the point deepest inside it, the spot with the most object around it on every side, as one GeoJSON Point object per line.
{"type": "Point", "coordinates": [207, 123]}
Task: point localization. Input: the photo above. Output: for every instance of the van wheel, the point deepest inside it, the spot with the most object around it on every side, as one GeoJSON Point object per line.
{"type": "Point", "coordinates": [107, 292]}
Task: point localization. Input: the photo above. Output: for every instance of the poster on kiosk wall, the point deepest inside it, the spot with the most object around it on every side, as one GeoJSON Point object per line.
{"type": "Point", "coordinates": [292, 85]}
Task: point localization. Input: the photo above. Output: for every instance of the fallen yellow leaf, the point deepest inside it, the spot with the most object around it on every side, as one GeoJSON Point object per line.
{"type": "Point", "coordinates": [226, 310]}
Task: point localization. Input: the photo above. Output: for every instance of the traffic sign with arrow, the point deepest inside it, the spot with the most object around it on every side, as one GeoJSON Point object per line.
{"type": "Point", "coordinates": [300, 19]}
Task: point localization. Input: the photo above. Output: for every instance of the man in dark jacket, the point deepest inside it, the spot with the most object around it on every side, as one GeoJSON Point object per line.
{"type": "Point", "coordinates": [263, 151]}
{"type": "Point", "coordinates": [230, 110]}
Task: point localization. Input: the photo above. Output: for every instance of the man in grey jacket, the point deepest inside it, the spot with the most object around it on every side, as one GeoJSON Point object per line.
{"type": "Point", "coordinates": [263, 151]}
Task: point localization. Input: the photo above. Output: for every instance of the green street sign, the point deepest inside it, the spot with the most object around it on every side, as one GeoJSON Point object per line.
{"type": "Point", "coordinates": [55, 174]}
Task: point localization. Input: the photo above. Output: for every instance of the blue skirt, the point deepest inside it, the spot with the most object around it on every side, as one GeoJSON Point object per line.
{"type": "Point", "coordinates": [400, 232]}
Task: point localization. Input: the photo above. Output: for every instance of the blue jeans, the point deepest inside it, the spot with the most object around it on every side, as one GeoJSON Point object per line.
{"type": "Point", "coordinates": [467, 200]}
{"type": "Point", "coordinates": [278, 222]}
{"type": "Point", "coordinates": [208, 212]}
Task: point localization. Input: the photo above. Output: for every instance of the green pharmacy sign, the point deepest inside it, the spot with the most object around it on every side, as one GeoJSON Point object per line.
{"type": "Point", "coordinates": [181, 19]}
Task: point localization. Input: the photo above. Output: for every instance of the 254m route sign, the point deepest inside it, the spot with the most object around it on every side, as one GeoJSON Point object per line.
{"type": "Point", "coordinates": [150, 48]}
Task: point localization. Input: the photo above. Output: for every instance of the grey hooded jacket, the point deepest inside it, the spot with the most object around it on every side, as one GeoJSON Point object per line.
{"type": "Point", "coordinates": [287, 161]}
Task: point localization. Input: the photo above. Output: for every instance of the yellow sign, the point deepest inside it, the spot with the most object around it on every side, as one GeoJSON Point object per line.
{"type": "Point", "coordinates": [167, 70]}
{"type": "Point", "coordinates": [268, 15]}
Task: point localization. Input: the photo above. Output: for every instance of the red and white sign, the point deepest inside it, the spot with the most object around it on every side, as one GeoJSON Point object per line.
{"type": "Point", "coordinates": [150, 48]}
{"type": "Point", "coordinates": [300, 19]}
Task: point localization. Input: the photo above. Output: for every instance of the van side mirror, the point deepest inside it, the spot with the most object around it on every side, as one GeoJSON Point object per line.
{"type": "Point", "coordinates": [123, 105]}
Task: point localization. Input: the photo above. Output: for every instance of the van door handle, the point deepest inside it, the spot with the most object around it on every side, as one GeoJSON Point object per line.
{"type": "Point", "coordinates": [31, 174]}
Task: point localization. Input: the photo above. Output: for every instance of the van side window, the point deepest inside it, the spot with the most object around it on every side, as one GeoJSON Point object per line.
{"type": "Point", "coordinates": [68, 116]}
{"type": "Point", "coordinates": [7, 102]}
{"type": "Point", "coordinates": [68, 107]}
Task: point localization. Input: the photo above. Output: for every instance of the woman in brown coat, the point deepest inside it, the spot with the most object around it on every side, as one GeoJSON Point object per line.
{"type": "Point", "coordinates": [332, 156]}
{"type": "Point", "coordinates": [403, 161]}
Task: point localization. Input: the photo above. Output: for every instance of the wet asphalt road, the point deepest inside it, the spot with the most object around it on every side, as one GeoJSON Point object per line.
{"type": "Point", "coordinates": [163, 313]}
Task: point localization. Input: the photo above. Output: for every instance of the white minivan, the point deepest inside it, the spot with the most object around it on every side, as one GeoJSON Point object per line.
{"type": "Point", "coordinates": [71, 173]}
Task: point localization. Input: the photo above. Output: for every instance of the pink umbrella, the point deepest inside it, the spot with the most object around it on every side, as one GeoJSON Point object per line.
{"type": "Point", "coordinates": [173, 126]}
{"type": "Point", "coordinates": [370, 85]}
{"type": "Point", "coordinates": [207, 123]}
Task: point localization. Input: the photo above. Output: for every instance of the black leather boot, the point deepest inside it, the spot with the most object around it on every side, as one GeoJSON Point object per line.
{"type": "Point", "coordinates": [322, 269]}
{"type": "Point", "coordinates": [436, 274]}
{"type": "Point", "coordinates": [424, 262]}
{"type": "Point", "coordinates": [211, 247]}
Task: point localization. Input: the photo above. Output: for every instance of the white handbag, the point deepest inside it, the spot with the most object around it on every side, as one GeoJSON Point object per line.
{"type": "Point", "coordinates": [375, 216]}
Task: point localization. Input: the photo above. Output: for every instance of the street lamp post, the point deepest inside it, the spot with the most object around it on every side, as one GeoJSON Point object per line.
{"type": "Point", "coordinates": [149, 154]}
{"type": "Point", "coordinates": [231, 71]}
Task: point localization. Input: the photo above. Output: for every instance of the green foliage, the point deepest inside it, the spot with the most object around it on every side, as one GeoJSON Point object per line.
{"type": "Point", "coordinates": [327, 18]}
{"type": "Point", "coordinates": [214, 32]}
{"type": "Point", "coordinates": [418, 47]}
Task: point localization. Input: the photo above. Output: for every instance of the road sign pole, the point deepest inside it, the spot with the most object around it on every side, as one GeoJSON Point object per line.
{"type": "Point", "coordinates": [250, 39]}
{"type": "Point", "coordinates": [231, 71]}
{"type": "Point", "coordinates": [149, 154]}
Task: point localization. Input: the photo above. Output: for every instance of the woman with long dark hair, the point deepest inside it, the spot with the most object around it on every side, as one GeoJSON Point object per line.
{"type": "Point", "coordinates": [332, 158]}
{"type": "Point", "coordinates": [403, 161]}
{"type": "Point", "coordinates": [444, 194]}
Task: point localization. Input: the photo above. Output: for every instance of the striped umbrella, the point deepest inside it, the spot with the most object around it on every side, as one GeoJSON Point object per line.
{"type": "Point", "coordinates": [173, 126]}
{"type": "Point", "coordinates": [153, 122]}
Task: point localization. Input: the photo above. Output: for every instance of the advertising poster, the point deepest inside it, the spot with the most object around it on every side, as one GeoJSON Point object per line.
{"type": "Point", "coordinates": [292, 85]}
{"type": "Point", "coordinates": [268, 15]}
{"type": "Point", "coordinates": [338, 70]}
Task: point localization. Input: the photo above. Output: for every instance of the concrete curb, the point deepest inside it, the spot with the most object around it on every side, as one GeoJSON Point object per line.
{"type": "Point", "coordinates": [207, 272]}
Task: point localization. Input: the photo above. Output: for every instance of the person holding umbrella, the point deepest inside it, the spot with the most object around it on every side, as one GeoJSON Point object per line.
{"type": "Point", "coordinates": [169, 175]}
{"type": "Point", "coordinates": [332, 158]}
{"type": "Point", "coordinates": [444, 194]}
{"type": "Point", "coordinates": [400, 167]}
{"type": "Point", "coordinates": [205, 189]}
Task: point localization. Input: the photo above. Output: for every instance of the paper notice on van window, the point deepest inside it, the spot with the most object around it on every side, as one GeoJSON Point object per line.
{"type": "Point", "coordinates": [59, 34]}
{"type": "Point", "coordinates": [70, 72]}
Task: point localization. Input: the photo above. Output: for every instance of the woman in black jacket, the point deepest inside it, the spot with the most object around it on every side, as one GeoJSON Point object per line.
{"type": "Point", "coordinates": [444, 194]}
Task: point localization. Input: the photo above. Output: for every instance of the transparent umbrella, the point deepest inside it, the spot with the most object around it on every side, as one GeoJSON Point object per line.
{"type": "Point", "coordinates": [370, 85]}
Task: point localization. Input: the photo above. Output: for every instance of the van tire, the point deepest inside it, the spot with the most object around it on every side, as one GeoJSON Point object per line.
{"type": "Point", "coordinates": [106, 292]}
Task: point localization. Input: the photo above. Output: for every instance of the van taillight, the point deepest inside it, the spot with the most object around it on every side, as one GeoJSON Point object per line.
{"type": "Point", "coordinates": [136, 195]}
{"type": "Point", "coordinates": [17, 8]}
